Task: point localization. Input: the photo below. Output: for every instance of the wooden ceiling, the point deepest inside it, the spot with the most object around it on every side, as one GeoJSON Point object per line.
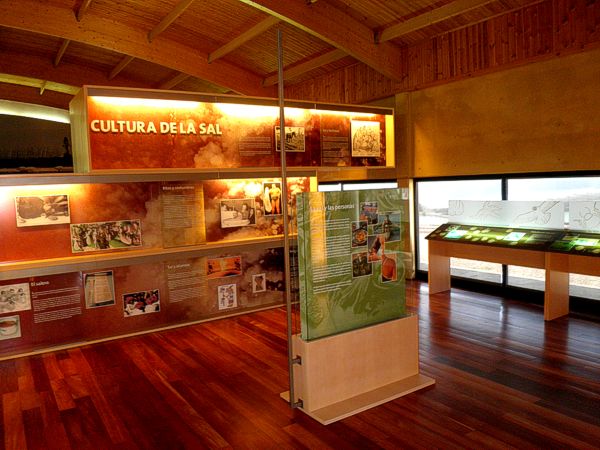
{"type": "Point", "coordinates": [50, 48]}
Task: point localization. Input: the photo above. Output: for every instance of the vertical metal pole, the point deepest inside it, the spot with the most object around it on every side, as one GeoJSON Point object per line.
{"type": "Point", "coordinates": [284, 197]}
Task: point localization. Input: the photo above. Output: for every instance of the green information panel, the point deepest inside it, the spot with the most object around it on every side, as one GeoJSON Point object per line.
{"type": "Point", "coordinates": [350, 261]}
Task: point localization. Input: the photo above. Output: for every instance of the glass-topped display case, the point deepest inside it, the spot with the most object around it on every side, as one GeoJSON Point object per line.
{"type": "Point", "coordinates": [526, 238]}
{"type": "Point", "coordinates": [572, 242]}
{"type": "Point", "coordinates": [577, 243]}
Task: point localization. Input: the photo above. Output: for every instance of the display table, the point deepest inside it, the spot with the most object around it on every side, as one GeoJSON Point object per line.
{"type": "Point", "coordinates": [558, 268]}
{"type": "Point", "coordinates": [556, 300]}
{"type": "Point", "coordinates": [558, 252]}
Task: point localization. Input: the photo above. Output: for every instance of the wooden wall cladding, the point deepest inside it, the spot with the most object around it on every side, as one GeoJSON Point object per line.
{"type": "Point", "coordinates": [542, 30]}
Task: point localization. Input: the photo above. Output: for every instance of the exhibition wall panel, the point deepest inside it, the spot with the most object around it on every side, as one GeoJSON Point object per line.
{"type": "Point", "coordinates": [45, 311]}
{"type": "Point", "coordinates": [128, 129]}
{"type": "Point", "coordinates": [80, 260]}
{"type": "Point", "coordinates": [175, 213]}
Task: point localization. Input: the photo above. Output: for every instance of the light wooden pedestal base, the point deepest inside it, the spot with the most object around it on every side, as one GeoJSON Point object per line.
{"type": "Point", "coordinates": [348, 373]}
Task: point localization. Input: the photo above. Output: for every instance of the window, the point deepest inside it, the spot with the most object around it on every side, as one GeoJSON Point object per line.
{"type": "Point", "coordinates": [330, 187]}
{"type": "Point", "coordinates": [433, 197]}
{"type": "Point", "coordinates": [556, 188]}
{"type": "Point", "coordinates": [353, 186]}
{"type": "Point", "coordinates": [357, 186]}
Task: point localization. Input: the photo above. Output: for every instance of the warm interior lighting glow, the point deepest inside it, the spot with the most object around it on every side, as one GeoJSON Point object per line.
{"type": "Point", "coordinates": [295, 113]}
{"type": "Point", "coordinates": [11, 108]}
{"type": "Point", "coordinates": [259, 111]}
{"type": "Point", "coordinates": [349, 114]}
{"type": "Point", "coordinates": [9, 192]}
{"type": "Point", "coordinates": [145, 102]}
{"type": "Point", "coordinates": [232, 110]}
{"type": "Point", "coordinates": [247, 111]}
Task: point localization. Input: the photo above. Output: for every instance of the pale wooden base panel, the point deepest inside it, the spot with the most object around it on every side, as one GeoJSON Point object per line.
{"type": "Point", "coordinates": [348, 373]}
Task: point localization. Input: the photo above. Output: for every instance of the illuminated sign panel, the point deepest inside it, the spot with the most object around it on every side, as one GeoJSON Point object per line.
{"type": "Point", "coordinates": [124, 133]}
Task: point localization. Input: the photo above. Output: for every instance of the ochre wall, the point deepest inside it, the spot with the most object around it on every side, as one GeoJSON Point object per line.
{"type": "Point", "coordinates": [542, 117]}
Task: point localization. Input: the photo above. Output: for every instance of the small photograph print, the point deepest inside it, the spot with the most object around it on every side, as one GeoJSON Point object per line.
{"type": "Point", "coordinates": [388, 225]}
{"type": "Point", "coordinates": [294, 139]}
{"type": "Point", "coordinates": [99, 288]}
{"type": "Point", "coordinates": [376, 247]}
{"type": "Point", "coordinates": [272, 198]}
{"type": "Point", "coordinates": [142, 302]}
{"type": "Point", "coordinates": [91, 237]}
{"type": "Point", "coordinates": [389, 267]}
{"type": "Point", "coordinates": [44, 210]}
{"type": "Point", "coordinates": [10, 327]}
{"type": "Point", "coordinates": [228, 266]}
{"type": "Point", "coordinates": [238, 212]}
{"type": "Point", "coordinates": [368, 212]}
{"type": "Point", "coordinates": [365, 138]}
{"type": "Point", "coordinates": [361, 266]}
{"type": "Point", "coordinates": [359, 233]}
{"type": "Point", "coordinates": [14, 297]}
{"type": "Point", "coordinates": [259, 283]}
{"type": "Point", "coordinates": [227, 296]}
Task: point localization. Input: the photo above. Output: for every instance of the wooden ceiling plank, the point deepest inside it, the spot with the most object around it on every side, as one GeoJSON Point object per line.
{"type": "Point", "coordinates": [179, 78]}
{"type": "Point", "coordinates": [83, 9]}
{"type": "Point", "coordinates": [429, 18]}
{"type": "Point", "coordinates": [119, 67]}
{"type": "Point", "coordinates": [246, 36]}
{"type": "Point", "coordinates": [20, 80]}
{"type": "Point", "coordinates": [297, 70]}
{"type": "Point", "coordinates": [58, 20]}
{"type": "Point", "coordinates": [42, 85]}
{"type": "Point", "coordinates": [339, 30]}
{"type": "Point", "coordinates": [61, 52]}
{"type": "Point", "coordinates": [36, 66]}
{"type": "Point", "coordinates": [169, 19]}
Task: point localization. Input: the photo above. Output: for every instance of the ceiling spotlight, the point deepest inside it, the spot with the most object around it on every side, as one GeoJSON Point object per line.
{"type": "Point", "coordinates": [310, 2]}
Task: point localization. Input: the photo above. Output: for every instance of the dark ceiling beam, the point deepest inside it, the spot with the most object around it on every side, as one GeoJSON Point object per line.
{"type": "Point", "coordinates": [242, 38]}
{"type": "Point", "coordinates": [83, 9]}
{"type": "Point", "coordinates": [39, 67]}
{"type": "Point", "coordinates": [59, 21]}
{"type": "Point", "coordinates": [429, 18]}
{"type": "Point", "coordinates": [339, 30]}
{"type": "Point", "coordinates": [314, 63]}
{"type": "Point", "coordinates": [169, 19]}
{"type": "Point", "coordinates": [171, 83]}
{"type": "Point", "coordinates": [119, 67]}
{"type": "Point", "coordinates": [61, 52]}
{"type": "Point", "coordinates": [78, 15]}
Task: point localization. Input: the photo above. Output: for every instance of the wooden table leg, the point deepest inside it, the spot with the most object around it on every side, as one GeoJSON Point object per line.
{"type": "Point", "coordinates": [439, 269]}
{"type": "Point", "coordinates": [556, 295]}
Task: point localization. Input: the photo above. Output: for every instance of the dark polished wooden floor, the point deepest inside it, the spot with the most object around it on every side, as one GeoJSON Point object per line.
{"type": "Point", "coordinates": [504, 379]}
